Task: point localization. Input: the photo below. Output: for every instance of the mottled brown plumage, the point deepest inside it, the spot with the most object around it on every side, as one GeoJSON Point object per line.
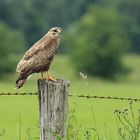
{"type": "Point", "coordinates": [39, 57]}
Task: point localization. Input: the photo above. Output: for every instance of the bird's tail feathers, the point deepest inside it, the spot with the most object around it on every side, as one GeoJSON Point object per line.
{"type": "Point", "coordinates": [19, 83]}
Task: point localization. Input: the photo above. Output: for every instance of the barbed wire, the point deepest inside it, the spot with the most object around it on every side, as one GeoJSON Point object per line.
{"type": "Point", "coordinates": [17, 93]}
{"type": "Point", "coordinates": [74, 95]}
{"type": "Point", "coordinates": [107, 98]}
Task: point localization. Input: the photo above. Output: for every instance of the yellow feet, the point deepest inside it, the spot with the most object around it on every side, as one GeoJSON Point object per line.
{"type": "Point", "coordinates": [50, 78]}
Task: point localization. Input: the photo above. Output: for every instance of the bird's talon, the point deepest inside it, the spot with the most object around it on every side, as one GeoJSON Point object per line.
{"type": "Point", "coordinates": [51, 79]}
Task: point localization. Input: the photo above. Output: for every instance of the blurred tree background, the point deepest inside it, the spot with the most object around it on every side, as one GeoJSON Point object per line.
{"type": "Point", "coordinates": [97, 32]}
{"type": "Point", "coordinates": [101, 42]}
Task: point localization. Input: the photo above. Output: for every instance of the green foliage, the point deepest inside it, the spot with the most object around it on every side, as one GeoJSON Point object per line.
{"type": "Point", "coordinates": [128, 123]}
{"type": "Point", "coordinates": [2, 132]}
{"type": "Point", "coordinates": [100, 43]}
{"type": "Point", "coordinates": [106, 27]}
{"type": "Point", "coordinates": [24, 17]}
{"type": "Point", "coordinates": [34, 17]}
{"type": "Point", "coordinates": [131, 19]}
{"type": "Point", "coordinates": [11, 43]}
{"type": "Point", "coordinates": [76, 132]}
{"type": "Point", "coordinates": [130, 16]}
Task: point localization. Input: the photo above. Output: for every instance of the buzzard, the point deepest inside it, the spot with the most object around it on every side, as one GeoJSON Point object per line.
{"type": "Point", "coordinates": [39, 57]}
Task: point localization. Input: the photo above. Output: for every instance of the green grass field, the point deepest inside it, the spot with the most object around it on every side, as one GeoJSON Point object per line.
{"type": "Point", "coordinates": [11, 108]}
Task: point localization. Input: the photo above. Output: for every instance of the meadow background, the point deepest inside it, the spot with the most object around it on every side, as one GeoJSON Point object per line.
{"type": "Point", "coordinates": [101, 39]}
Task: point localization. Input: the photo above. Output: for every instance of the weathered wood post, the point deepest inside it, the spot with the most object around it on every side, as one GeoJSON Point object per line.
{"type": "Point", "coordinates": [53, 106]}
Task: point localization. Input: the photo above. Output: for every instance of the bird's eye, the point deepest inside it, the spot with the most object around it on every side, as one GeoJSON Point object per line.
{"type": "Point", "coordinates": [55, 30]}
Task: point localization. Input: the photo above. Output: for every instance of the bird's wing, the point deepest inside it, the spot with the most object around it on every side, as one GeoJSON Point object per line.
{"type": "Point", "coordinates": [38, 46]}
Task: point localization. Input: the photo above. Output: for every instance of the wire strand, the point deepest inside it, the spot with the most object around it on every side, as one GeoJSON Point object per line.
{"type": "Point", "coordinates": [74, 95]}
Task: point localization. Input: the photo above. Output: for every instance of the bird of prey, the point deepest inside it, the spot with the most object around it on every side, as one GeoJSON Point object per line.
{"type": "Point", "coordinates": [39, 57]}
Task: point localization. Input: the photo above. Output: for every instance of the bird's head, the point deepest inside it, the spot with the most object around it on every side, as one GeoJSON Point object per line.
{"type": "Point", "coordinates": [55, 31]}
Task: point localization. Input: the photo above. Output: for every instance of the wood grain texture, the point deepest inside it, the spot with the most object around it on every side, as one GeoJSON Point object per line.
{"type": "Point", "coordinates": [53, 107]}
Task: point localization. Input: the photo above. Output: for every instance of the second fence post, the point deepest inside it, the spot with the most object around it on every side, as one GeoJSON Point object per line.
{"type": "Point", "coordinates": [53, 107]}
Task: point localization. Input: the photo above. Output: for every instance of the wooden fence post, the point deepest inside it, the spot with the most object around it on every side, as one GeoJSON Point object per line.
{"type": "Point", "coordinates": [53, 107]}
